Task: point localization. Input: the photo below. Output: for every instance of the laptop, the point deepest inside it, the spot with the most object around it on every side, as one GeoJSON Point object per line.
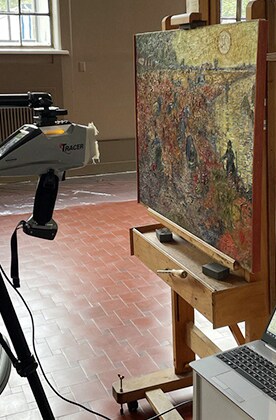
{"type": "Point", "coordinates": [246, 374]}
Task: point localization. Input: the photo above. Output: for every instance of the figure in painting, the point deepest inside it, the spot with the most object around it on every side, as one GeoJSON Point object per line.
{"type": "Point", "coordinates": [191, 153]}
{"type": "Point", "coordinates": [229, 156]}
{"type": "Point", "coordinates": [157, 150]}
{"type": "Point", "coordinates": [183, 120]}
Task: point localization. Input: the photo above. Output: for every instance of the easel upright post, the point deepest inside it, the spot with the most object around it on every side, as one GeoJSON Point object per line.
{"type": "Point", "coordinates": [182, 315]}
{"type": "Point", "coordinates": [261, 9]}
{"type": "Point", "coordinates": [270, 12]}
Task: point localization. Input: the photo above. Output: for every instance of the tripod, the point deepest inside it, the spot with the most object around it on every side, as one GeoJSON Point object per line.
{"type": "Point", "coordinates": [25, 365]}
{"type": "Point", "coordinates": [41, 225]}
{"type": "Point", "coordinates": [49, 154]}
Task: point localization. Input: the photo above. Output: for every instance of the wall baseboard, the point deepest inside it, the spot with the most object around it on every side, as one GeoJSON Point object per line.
{"type": "Point", "coordinates": [91, 169]}
{"type": "Point", "coordinates": [103, 168]}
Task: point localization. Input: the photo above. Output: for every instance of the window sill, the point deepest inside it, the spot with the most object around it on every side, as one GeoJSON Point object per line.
{"type": "Point", "coordinates": [30, 51]}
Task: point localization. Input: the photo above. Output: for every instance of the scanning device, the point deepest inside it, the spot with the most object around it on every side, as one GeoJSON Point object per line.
{"type": "Point", "coordinates": [47, 148]}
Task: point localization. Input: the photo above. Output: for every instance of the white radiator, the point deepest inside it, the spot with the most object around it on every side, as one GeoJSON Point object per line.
{"type": "Point", "coordinates": [13, 118]}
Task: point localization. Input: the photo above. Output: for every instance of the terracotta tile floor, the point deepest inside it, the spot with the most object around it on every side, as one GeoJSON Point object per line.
{"type": "Point", "coordinates": [98, 311]}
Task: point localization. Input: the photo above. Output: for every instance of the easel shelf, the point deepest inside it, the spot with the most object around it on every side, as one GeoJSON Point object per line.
{"type": "Point", "coordinates": [213, 298]}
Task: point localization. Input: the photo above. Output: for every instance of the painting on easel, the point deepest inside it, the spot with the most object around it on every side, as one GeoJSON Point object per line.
{"type": "Point", "coordinates": [200, 115]}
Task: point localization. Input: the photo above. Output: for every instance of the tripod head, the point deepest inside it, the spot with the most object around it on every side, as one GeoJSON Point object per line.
{"type": "Point", "coordinates": [45, 114]}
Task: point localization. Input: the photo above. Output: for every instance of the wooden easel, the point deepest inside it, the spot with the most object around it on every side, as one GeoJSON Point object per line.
{"type": "Point", "coordinates": [244, 297]}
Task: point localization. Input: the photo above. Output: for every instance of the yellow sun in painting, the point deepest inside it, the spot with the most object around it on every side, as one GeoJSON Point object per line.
{"type": "Point", "coordinates": [224, 42]}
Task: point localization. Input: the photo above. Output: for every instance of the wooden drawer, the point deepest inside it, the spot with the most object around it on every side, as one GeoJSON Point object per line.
{"type": "Point", "coordinates": [221, 302]}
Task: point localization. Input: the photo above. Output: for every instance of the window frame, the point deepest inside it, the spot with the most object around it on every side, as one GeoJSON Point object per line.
{"type": "Point", "coordinates": [54, 48]}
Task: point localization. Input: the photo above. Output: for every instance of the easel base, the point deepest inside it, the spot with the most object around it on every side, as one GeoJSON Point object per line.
{"type": "Point", "coordinates": [135, 388]}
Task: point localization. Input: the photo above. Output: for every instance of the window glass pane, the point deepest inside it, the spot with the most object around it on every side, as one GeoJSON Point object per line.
{"type": "Point", "coordinates": [42, 6]}
{"type": "Point", "coordinates": [34, 6]}
{"type": "Point", "coordinates": [9, 30]}
{"type": "Point", "coordinates": [3, 5]}
{"type": "Point", "coordinates": [244, 4]}
{"type": "Point", "coordinates": [9, 6]}
{"type": "Point", "coordinates": [35, 30]}
{"type": "Point", "coordinates": [15, 30]}
{"type": "Point", "coordinates": [27, 6]}
{"type": "Point", "coordinates": [228, 10]}
{"type": "Point", "coordinates": [4, 28]}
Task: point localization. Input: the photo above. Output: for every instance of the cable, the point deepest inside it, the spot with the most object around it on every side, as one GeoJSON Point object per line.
{"type": "Point", "coordinates": [38, 360]}
{"type": "Point", "coordinates": [170, 409]}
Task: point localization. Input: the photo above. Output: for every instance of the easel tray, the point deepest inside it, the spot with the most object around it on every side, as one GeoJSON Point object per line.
{"type": "Point", "coordinates": [221, 302]}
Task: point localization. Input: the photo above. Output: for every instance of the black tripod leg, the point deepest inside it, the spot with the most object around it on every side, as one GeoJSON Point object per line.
{"type": "Point", "coordinates": [27, 362]}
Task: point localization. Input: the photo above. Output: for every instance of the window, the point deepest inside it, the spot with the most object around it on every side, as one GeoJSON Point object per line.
{"type": "Point", "coordinates": [25, 23]}
{"type": "Point", "coordinates": [232, 10]}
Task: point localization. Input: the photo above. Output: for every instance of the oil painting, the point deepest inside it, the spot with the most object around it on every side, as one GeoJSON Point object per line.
{"type": "Point", "coordinates": [199, 121]}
